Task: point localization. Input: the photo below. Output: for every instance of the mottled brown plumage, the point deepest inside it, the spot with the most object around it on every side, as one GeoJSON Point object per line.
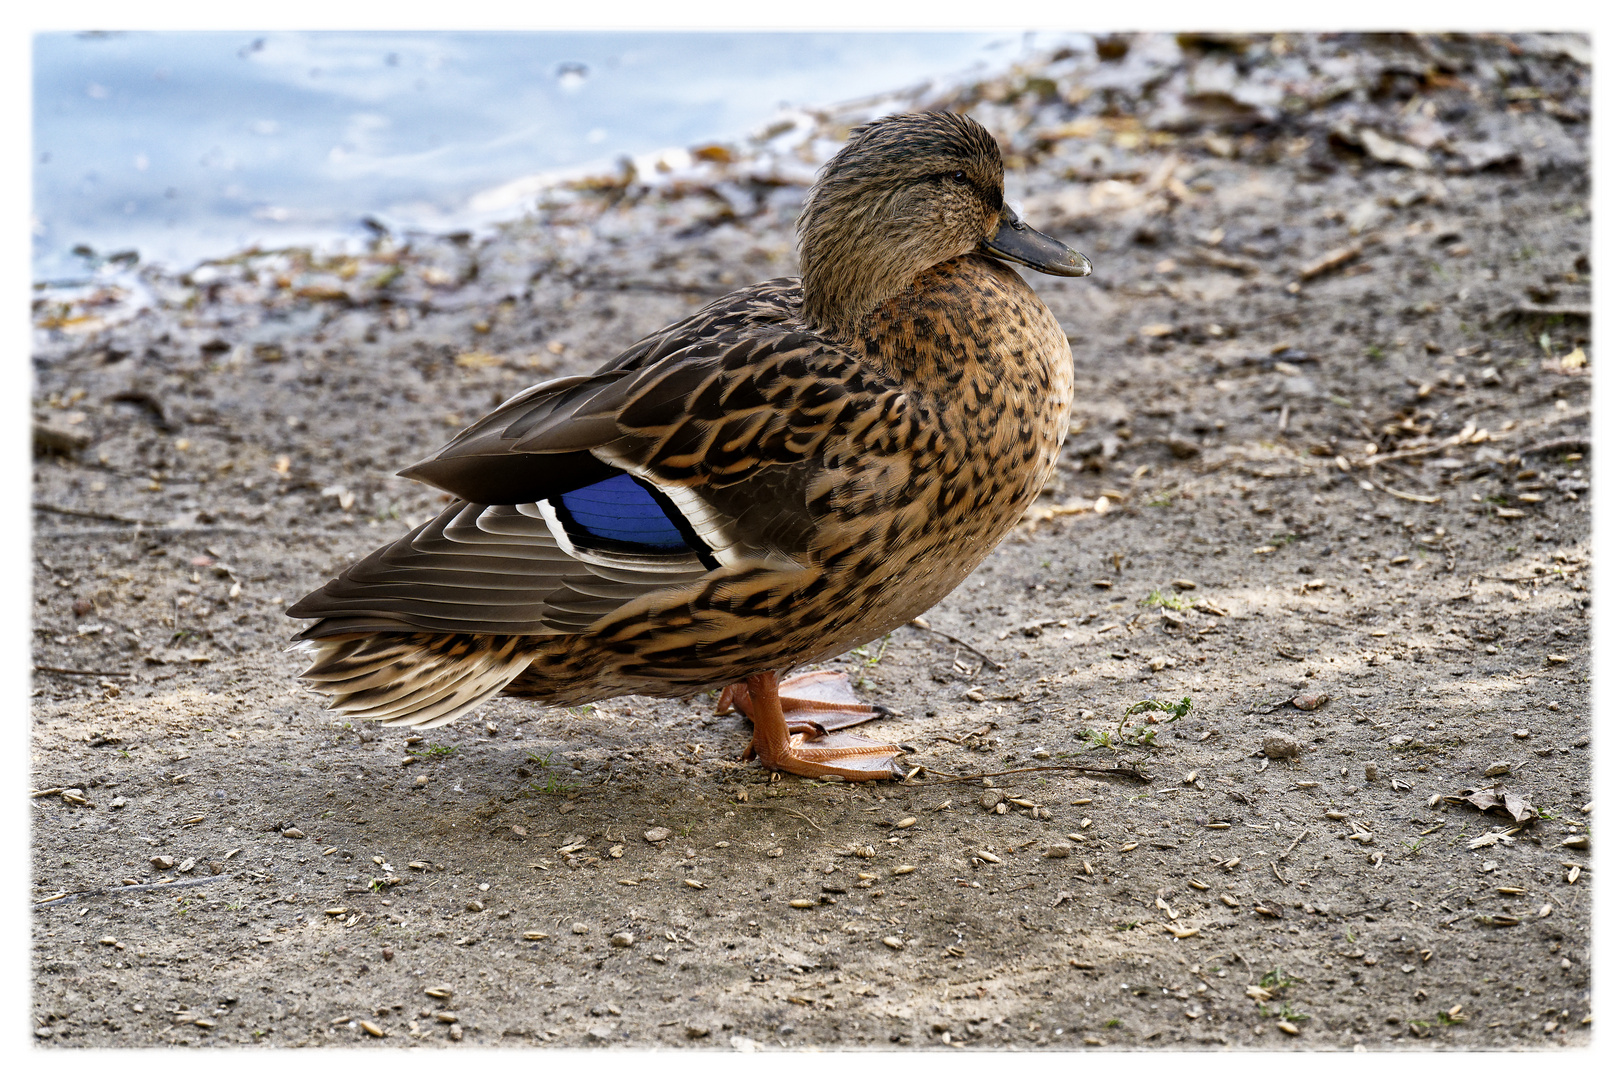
{"type": "Point", "coordinates": [836, 461]}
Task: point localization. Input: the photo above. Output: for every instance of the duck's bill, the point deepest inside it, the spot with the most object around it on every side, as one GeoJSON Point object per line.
{"type": "Point", "coordinates": [1018, 242]}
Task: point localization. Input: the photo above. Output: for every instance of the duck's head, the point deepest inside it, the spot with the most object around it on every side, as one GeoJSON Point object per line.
{"type": "Point", "coordinates": [904, 193]}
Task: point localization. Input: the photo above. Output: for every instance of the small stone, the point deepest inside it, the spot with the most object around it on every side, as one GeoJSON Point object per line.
{"type": "Point", "coordinates": [1057, 851]}
{"type": "Point", "coordinates": [388, 954]}
{"type": "Point", "coordinates": [1522, 733]}
{"type": "Point", "coordinates": [456, 1033]}
{"type": "Point", "coordinates": [185, 867]}
{"type": "Point", "coordinates": [1371, 772]}
{"type": "Point", "coordinates": [162, 862]}
{"type": "Point", "coordinates": [1279, 745]}
{"type": "Point", "coordinates": [476, 905]}
{"type": "Point", "coordinates": [579, 928]}
{"type": "Point", "coordinates": [118, 803]}
{"type": "Point", "coordinates": [624, 939]}
{"type": "Point", "coordinates": [654, 836]}
{"type": "Point", "coordinates": [601, 1032]}
{"type": "Point", "coordinates": [1498, 768]}
{"type": "Point", "coordinates": [293, 834]}
{"type": "Point", "coordinates": [990, 799]}
{"type": "Point", "coordinates": [421, 781]}
{"type": "Point", "coordinates": [216, 867]}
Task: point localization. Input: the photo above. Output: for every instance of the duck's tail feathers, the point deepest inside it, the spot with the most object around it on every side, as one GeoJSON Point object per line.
{"type": "Point", "coordinates": [413, 680]}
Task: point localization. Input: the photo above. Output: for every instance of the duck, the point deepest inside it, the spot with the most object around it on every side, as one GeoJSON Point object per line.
{"type": "Point", "coordinates": [794, 470]}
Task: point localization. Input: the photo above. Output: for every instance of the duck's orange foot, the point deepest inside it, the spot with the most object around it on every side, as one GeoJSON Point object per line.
{"type": "Point", "coordinates": [838, 756]}
{"type": "Point", "coordinates": [793, 732]}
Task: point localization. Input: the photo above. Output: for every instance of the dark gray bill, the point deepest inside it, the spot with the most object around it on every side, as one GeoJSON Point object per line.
{"type": "Point", "coordinates": [1018, 242]}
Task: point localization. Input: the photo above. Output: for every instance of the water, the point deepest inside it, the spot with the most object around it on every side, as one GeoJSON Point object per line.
{"type": "Point", "coordinates": [182, 146]}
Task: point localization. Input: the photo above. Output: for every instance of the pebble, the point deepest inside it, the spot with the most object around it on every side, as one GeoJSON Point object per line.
{"type": "Point", "coordinates": [904, 869]}
{"type": "Point", "coordinates": [1498, 768]}
{"type": "Point", "coordinates": [456, 1033]}
{"type": "Point", "coordinates": [579, 928]}
{"type": "Point", "coordinates": [293, 834]}
{"type": "Point", "coordinates": [1371, 772]}
{"type": "Point", "coordinates": [476, 905]}
{"type": "Point", "coordinates": [1522, 733]}
{"type": "Point", "coordinates": [624, 939]}
{"type": "Point", "coordinates": [654, 836]}
{"type": "Point", "coordinates": [421, 781]}
{"type": "Point", "coordinates": [1279, 745]}
{"type": "Point", "coordinates": [162, 862]}
{"type": "Point", "coordinates": [990, 799]}
{"type": "Point", "coordinates": [1057, 851]}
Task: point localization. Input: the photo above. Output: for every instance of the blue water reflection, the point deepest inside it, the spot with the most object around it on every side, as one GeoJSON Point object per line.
{"type": "Point", "coordinates": [185, 145]}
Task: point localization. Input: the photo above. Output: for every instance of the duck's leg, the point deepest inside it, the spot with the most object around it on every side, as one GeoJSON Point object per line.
{"type": "Point", "coordinates": [813, 703]}
{"type": "Point", "coordinates": [807, 750]}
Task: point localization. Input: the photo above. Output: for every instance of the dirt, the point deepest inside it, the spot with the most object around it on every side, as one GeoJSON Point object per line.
{"type": "Point", "coordinates": [1328, 480]}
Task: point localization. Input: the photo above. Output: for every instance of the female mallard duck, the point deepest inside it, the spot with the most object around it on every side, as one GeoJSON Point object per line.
{"type": "Point", "coordinates": [795, 470]}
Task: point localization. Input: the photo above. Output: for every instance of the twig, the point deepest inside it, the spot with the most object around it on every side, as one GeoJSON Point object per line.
{"type": "Point", "coordinates": [1292, 848]}
{"type": "Point", "coordinates": [1118, 770]}
{"type": "Point", "coordinates": [1402, 494]}
{"type": "Point", "coordinates": [786, 810]}
{"type": "Point", "coordinates": [1277, 874]}
{"type": "Point", "coordinates": [92, 514]}
{"type": "Point", "coordinates": [1569, 445]}
{"type": "Point", "coordinates": [76, 671]}
{"type": "Point", "coordinates": [915, 624]}
{"type": "Point", "coordinates": [131, 888]}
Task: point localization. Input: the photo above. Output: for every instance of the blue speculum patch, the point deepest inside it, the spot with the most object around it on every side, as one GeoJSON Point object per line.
{"type": "Point", "coordinates": [622, 510]}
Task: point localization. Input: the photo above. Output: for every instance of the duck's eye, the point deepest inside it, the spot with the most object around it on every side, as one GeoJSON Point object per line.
{"type": "Point", "coordinates": [959, 177]}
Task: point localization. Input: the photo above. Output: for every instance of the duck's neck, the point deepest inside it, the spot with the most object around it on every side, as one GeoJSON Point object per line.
{"type": "Point", "coordinates": [952, 318]}
{"type": "Point", "coordinates": [850, 264]}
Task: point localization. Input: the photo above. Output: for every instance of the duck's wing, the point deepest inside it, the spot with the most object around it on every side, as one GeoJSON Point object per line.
{"type": "Point", "coordinates": [586, 494]}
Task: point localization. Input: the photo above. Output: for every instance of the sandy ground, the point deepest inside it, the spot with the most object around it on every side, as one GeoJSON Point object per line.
{"type": "Point", "coordinates": [1328, 478]}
